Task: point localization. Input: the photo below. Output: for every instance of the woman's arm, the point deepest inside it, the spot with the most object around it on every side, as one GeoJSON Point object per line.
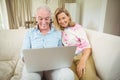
{"type": "Point", "coordinates": [82, 63]}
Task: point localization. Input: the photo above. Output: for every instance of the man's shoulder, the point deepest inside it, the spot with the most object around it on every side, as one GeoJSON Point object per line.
{"type": "Point", "coordinates": [57, 31]}
{"type": "Point", "coordinates": [30, 30]}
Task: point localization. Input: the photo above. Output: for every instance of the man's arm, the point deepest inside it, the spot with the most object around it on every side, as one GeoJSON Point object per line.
{"type": "Point", "coordinates": [26, 44]}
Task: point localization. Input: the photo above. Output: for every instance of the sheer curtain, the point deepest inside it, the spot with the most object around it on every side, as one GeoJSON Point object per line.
{"type": "Point", "coordinates": [3, 16]}
{"type": "Point", "coordinates": [18, 11]}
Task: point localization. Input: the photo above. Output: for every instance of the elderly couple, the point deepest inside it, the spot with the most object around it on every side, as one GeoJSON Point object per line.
{"type": "Point", "coordinates": [63, 32]}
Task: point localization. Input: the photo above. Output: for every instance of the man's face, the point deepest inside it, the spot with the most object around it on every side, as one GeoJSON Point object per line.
{"type": "Point", "coordinates": [43, 19]}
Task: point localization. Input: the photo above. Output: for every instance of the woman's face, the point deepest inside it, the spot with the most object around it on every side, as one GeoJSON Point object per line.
{"type": "Point", "coordinates": [63, 19]}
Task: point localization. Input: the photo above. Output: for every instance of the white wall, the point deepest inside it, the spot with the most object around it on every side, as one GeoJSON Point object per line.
{"type": "Point", "coordinates": [73, 10]}
{"type": "Point", "coordinates": [35, 4]}
{"type": "Point", "coordinates": [93, 14]}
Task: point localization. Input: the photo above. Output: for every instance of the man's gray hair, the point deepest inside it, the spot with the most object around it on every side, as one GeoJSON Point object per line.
{"type": "Point", "coordinates": [43, 7]}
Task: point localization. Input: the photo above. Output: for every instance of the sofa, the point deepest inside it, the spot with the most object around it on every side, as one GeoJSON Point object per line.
{"type": "Point", "coordinates": [10, 48]}
{"type": "Point", "coordinates": [105, 52]}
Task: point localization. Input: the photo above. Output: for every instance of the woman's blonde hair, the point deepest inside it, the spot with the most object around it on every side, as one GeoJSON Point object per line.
{"type": "Point", "coordinates": [57, 12]}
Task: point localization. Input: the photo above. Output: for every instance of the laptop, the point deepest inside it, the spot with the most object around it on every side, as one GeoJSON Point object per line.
{"type": "Point", "coordinates": [44, 59]}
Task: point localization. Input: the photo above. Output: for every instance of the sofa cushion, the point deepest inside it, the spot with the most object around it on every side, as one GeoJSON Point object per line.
{"type": "Point", "coordinates": [106, 54]}
{"type": "Point", "coordinates": [7, 69]}
{"type": "Point", "coordinates": [10, 43]}
{"type": "Point", "coordinates": [18, 71]}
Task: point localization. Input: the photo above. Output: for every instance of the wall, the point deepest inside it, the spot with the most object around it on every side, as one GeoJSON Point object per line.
{"type": "Point", "coordinates": [101, 15]}
{"type": "Point", "coordinates": [73, 9]}
{"type": "Point", "coordinates": [112, 19]}
{"type": "Point", "coordinates": [93, 14]}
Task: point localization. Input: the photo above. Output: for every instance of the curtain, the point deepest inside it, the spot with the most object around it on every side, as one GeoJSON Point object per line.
{"type": "Point", "coordinates": [19, 11]}
{"type": "Point", "coordinates": [3, 15]}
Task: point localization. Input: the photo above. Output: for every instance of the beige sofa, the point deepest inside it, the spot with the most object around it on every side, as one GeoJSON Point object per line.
{"type": "Point", "coordinates": [10, 47]}
{"type": "Point", "coordinates": [105, 47]}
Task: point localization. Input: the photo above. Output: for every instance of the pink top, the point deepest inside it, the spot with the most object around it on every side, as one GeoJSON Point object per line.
{"type": "Point", "coordinates": [75, 36]}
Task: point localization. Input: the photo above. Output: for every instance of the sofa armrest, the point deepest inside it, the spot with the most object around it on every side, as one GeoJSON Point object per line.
{"type": "Point", "coordinates": [106, 54]}
{"type": "Point", "coordinates": [18, 70]}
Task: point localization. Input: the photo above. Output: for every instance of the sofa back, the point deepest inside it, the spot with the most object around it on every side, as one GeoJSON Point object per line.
{"type": "Point", "coordinates": [106, 54]}
{"type": "Point", "coordinates": [10, 43]}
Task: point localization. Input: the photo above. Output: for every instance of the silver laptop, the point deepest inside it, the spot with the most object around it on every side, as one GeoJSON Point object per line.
{"type": "Point", "coordinates": [44, 59]}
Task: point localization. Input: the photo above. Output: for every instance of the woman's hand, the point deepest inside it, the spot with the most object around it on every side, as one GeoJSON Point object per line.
{"type": "Point", "coordinates": [81, 68]}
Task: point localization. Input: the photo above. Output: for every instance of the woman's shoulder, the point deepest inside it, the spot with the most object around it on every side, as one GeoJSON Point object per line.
{"type": "Point", "coordinates": [77, 27]}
